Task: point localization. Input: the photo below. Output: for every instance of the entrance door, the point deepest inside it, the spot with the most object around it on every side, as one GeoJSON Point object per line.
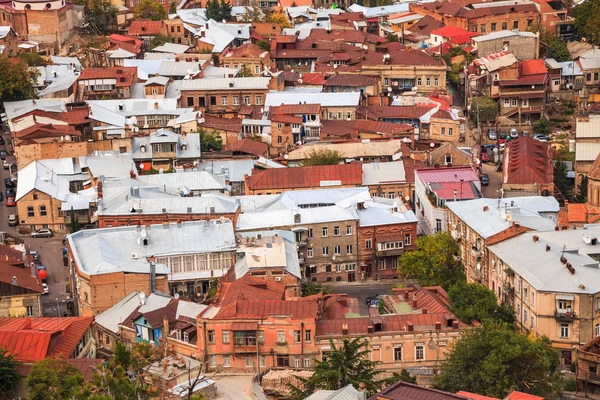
{"type": "Point", "coordinates": [351, 276]}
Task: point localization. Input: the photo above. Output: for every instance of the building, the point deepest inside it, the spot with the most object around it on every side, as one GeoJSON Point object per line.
{"type": "Point", "coordinates": [435, 188]}
{"type": "Point", "coordinates": [279, 180]}
{"type": "Point", "coordinates": [256, 324]}
{"type": "Point", "coordinates": [527, 168]}
{"type": "Point", "coordinates": [449, 154]}
{"type": "Point", "coordinates": [549, 278]}
{"type": "Point", "coordinates": [484, 73]}
{"type": "Point", "coordinates": [33, 339]}
{"type": "Point", "coordinates": [138, 318]}
{"type": "Point", "coordinates": [408, 391]}
{"type": "Point", "coordinates": [587, 145]}
{"type": "Point", "coordinates": [364, 151]}
{"type": "Point", "coordinates": [147, 30]}
{"type": "Point", "coordinates": [129, 254]}
{"type": "Point", "coordinates": [247, 57]}
{"type": "Point", "coordinates": [589, 63]}
{"type": "Point", "coordinates": [294, 123]}
{"type": "Point", "coordinates": [587, 363]}
{"type": "Point", "coordinates": [387, 180]}
{"type": "Point", "coordinates": [523, 45]}
{"type": "Point", "coordinates": [20, 289]}
{"type": "Point", "coordinates": [451, 34]}
{"type": "Point", "coordinates": [111, 82]}
{"type": "Point", "coordinates": [476, 224]}
{"type": "Point", "coordinates": [8, 41]}
{"type": "Point", "coordinates": [339, 131]}
{"type": "Point", "coordinates": [522, 91]}
{"type": "Point", "coordinates": [166, 150]}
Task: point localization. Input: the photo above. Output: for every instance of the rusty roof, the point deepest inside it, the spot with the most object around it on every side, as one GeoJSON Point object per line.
{"type": "Point", "coordinates": [576, 212]}
{"type": "Point", "coordinates": [499, 10]}
{"type": "Point", "coordinates": [347, 35]}
{"type": "Point", "coordinates": [286, 119]}
{"type": "Point", "coordinates": [527, 161]}
{"type": "Point", "coordinates": [522, 396]}
{"type": "Point", "coordinates": [37, 131]}
{"type": "Point", "coordinates": [352, 80]}
{"type": "Point", "coordinates": [306, 177]}
{"type": "Point", "coordinates": [142, 27]}
{"type": "Point", "coordinates": [383, 112]}
{"type": "Point", "coordinates": [249, 146]}
{"type": "Point", "coordinates": [24, 278]}
{"type": "Point", "coordinates": [403, 57]}
{"type": "Point", "coordinates": [409, 391]}
{"type": "Point", "coordinates": [224, 124]}
{"type": "Point", "coordinates": [532, 67]}
{"type": "Point", "coordinates": [339, 306]}
{"type": "Point", "coordinates": [286, 38]}
{"type": "Point", "coordinates": [300, 308]}
{"type": "Point", "coordinates": [426, 25]}
{"type": "Point", "coordinates": [295, 109]}
{"type": "Point", "coordinates": [124, 75]}
{"type": "Point", "coordinates": [353, 128]}
{"type": "Point", "coordinates": [474, 396]}
{"type": "Point", "coordinates": [248, 50]}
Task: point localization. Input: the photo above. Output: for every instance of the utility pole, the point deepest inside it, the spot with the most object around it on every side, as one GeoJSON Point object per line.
{"type": "Point", "coordinates": [478, 126]}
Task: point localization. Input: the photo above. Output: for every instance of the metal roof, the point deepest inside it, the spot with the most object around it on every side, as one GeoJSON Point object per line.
{"type": "Point", "coordinates": [180, 68]}
{"type": "Point", "coordinates": [502, 35]}
{"type": "Point", "coordinates": [353, 150]}
{"type": "Point", "coordinates": [349, 99]}
{"type": "Point", "coordinates": [345, 393]}
{"type": "Point", "coordinates": [234, 84]}
{"type": "Point", "coordinates": [383, 173]}
{"type": "Point", "coordinates": [267, 249]}
{"type": "Point", "coordinates": [171, 48]}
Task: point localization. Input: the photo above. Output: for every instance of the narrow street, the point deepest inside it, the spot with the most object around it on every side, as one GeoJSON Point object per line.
{"type": "Point", "coordinates": [362, 290]}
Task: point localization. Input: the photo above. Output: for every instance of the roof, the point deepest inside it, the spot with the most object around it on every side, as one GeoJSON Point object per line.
{"type": "Point", "coordinates": [576, 212]}
{"type": "Point", "coordinates": [345, 393]}
{"type": "Point", "coordinates": [408, 391]}
{"type": "Point", "coordinates": [502, 35]}
{"type": "Point", "coordinates": [383, 173]}
{"type": "Point", "coordinates": [180, 68]}
{"type": "Point", "coordinates": [142, 149]}
{"type": "Point", "coordinates": [448, 174]}
{"type": "Point", "coordinates": [349, 99]}
{"type": "Point", "coordinates": [267, 249]}
{"type": "Point", "coordinates": [144, 27]}
{"type": "Point", "coordinates": [532, 67]}
{"type": "Point", "coordinates": [171, 48]}
{"type": "Point", "coordinates": [295, 109]}
{"type": "Point", "coordinates": [124, 75]}
{"type": "Point", "coordinates": [249, 146]}
{"type": "Point", "coordinates": [402, 57]}
{"type": "Point", "coordinates": [525, 80]}
{"type": "Point", "coordinates": [425, 26]}
{"type": "Point", "coordinates": [248, 50]}
{"type": "Point", "coordinates": [452, 32]}
{"type": "Point", "coordinates": [24, 278]}
{"type": "Point", "coordinates": [354, 150]}
{"type": "Point", "coordinates": [306, 177]}
{"type": "Point", "coordinates": [527, 211]}
{"type": "Point", "coordinates": [522, 396]}
{"type": "Point", "coordinates": [233, 84]}
{"type": "Point", "coordinates": [527, 161]}
{"type": "Point", "coordinates": [351, 80]}
{"type": "Point", "coordinates": [474, 396]}
{"type": "Point", "coordinates": [352, 129]}
{"type": "Point", "coordinates": [114, 316]}
{"type": "Point", "coordinates": [33, 339]}
{"type": "Point", "coordinates": [125, 249]}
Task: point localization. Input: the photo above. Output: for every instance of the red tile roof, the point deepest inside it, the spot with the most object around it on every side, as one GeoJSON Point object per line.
{"type": "Point", "coordinates": [425, 26]}
{"type": "Point", "coordinates": [286, 119]}
{"type": "Point", "coordinates": [408, 391]}
{"type": "Point", "coordinates": [522, 396]}
{"type": "Point", "coordinates": [347, 35]}
{"type": "Point", "coordinates": [413, 57]}
{"type": "Point", "coordinates": [312, 78]}
{"type": "Point", "coordinates": [249, 146]}
{"type": "Point", "coordinates": [129, 43]}
{"type": "Point", "coordinates": [338, 306]}
{"type": "Point", "coordinates": [295, 109]}
{"type": "Point", "coordinates": [286, 38]}
{"type": "Point", "coordinates": [224, 124]}
{"type": "Point", "coordinates": [474, 396]}
{"type": "Point", "coordinates": [532, 67]}
{"type": "Point", "coordinates": [451, 32]}
{"type": "Point", "coordinates": [292, 3]}
{"type": "Point", "coordinates": [24, 277]}
{"type": "Point", "coordinates": [32, 339]}
{"type": "Point", "coordinates": [433, 298]}
{"type": "Point", "coordinates": [124, 75]}
{"type": "Point", "coordinates": [144, 27]}
{"type": "Point", "coordinates": [306, 177]}
{"type": "Point", "coordinates": [499, 10]}
{"type": "Point", "coordinates": [442, 7]}
{"type": "Point", "coordinates": [576, 212]}
{"type": "Point", "coordinates": [527, 161]}
{"type": "Point", "coordinates": [46, 131]}
{"type": "Point", "coordinates": [248, 50]}
{"type": "Point", "coordinates": [352, 129]}
{"type": "Point", "coordinates": [352, 80]}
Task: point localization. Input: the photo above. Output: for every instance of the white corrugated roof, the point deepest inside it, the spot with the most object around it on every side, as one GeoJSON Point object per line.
{"type": "Point", "coordinates": [349, 99]}
{"type": "Point", "coordinates": [589, 128]}
{"type": "Point", "coordinates": [180, 68]}
{"type": "Point", "coordinates": [383, 172]}
{"type": "Point", "coordinates": [234, 84]}
{"type": "Point", "coordinates": [171, 48]}
{"type": "Point", "coordinates": [502, 35]}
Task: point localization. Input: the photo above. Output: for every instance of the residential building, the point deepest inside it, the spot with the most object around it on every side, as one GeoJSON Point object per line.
{"type": "Point", "coordinates": [253, 323]}
{"type": "Point", "coordinates": [361, 129]}
{"type": "Point", "coordinates": [33, 339]}
{"type": "Point", "coordinates": [339, 106]}
{"type": "Point", "coordinates": [147, 30]}
{"type": "Point", "coordinates": [249, 57]}
{"type": "Point", "coordinates": [477, 224]}
{"type": "Point", "coordinates": [138, 318]}
{"type": "Point", "coordinates": [527, 168]}
{"type": "Point", "coordinates": [523, 45]}
{"type": "Point", "coordinates": [156, 87]}
{"type": "Point", "coordinates": [449, 154]}
{"type": "Point", "coordinates": [587, 363]}
{"type": "Point", "coordinates": [175, 28]}
{"type": "Point", "coordinates": [279, 180]}
{"type": "Point", "coordinates": [435, 188]}
{"type": "Point", "coordinates": [413, 334]}
{"type": "Point", "coordinates": [166, 150]}
{"type": "Point", "coordinates": [549, 278]}
{"type": "Point", "coordinates": [111, 82]}
{"type": "Point", "coordinates": [20, 289]}
{"type": "Point", "coordinates": [364, 151]}
{"type": "Point", "coordinates": [587, 145]}
{"type": "Point", "coordinates": [366, 85]}
{"type": "Point", "coordinates": [387, 180]}
{"type": "Point", "coordinates": [293, 123]}
{"type": "Point", "coordinates": [453, 35]}
{"type": "Point", "coordinates": [589, 63]}
{"type": "Point", "coordinates": [522, 91]}
{"type": "Point", "coordinates": [484, 73]}
{"type": "Point", "coordinates": [189, 267]}
{"type": "Point", "coordinates": [408, 391]}
{"type": "Point", "coordinates": [8, 41]}
{"type": "Point", "coordinates": [228, 129]}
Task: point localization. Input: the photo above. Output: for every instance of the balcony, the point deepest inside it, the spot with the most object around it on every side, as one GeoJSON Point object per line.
{"type": "Point", "coordinates": [456, 235]}
{"type": "Point", "coordinates": [476, 252]}
{"type": "Point", "coordinates": [564, 315]}
{"type": "Point", "coordinates": [509, 290]}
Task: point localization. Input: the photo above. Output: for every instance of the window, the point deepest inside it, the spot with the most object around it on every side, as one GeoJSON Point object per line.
{"type": "Point", "coordinates": [325, 251]}
{"type": "Point", "coordinates": [297, 362]}
{"type": "Point", "coordinates": [419, 81]}
{"type": "Point", "coordinates": [482, 28]}
{"type": "Point", "coordinates": [226, 361]}
{"type": "Point", "coordinates": [258, 100]}
{"type": "Point", "coordinates": [531, 323]}
{"type": "Point", "coordinates": [564, 305]}
{"type": "Point", "coordinates": [504, 26]}
{"type": "Point", "coordinates": [349, 249]}
{"type": "Point", "coordinates": [597, 328]}
{"type": "Point", "coordinates": [427, 81]}
{"type": "Point", "coordinates": [348, 115]}
{"type": "Point", "coordinates": [532, 298]}
{"type": "Point", "coordinates": [262, 361]}
{"type": "Point", "coordinates": [324, 232]}
{"type": "Point", "coordinates": [280, 336]}
{"type": "Point", "coordinates": [310, 233]}
{"type": "Point", "coordinates": [338, 268]}
{"type": "Point", "coordinates": [438, 225]}
{"type": "Point", "coordinates": [515, 24]}
{"type": "Point", "coordinates": [336, 231]}
{"type": "Point", "coordinates": [30, 314]}
{"type": "Point", "coordinates": [306, 362]}
{"type": "Point", "coordinates": [236, 101]}
{"type": "Point", "coordinates": [213, 100]}
{"type": "Point", "coordinates": [391, 195]}
{"type": "Point", "coordinates": [309, 252]}
{"type": "Point", "coordinates": [407, 239]}
{"type": "Point", "coordinates": [493, 28]}
{"type": "Point", "coordinates": [249, 362]}
{"type": "Point", "coordinates": [382, 263]}
{"type": "Point", "coordinates": [190, 102]}
{"type": "Point", "coordinates": [154, 91]}
{"type": "Point", "coordinates": [43, 211]}
{"type": "Point", "coordinates": [336, 250]}
{"type": "Point", "coordinates": [186, 337]}
{"type": "Point", "coordinates": [449, 131]}
{"type": "Point", "coordinates": [506, 102]}
{"type": "Point", "coordinates": [247, 100]}
{"type": "Point", "coordinates": [419, 352]}
{"type": "Point", "coordinates": [435, 82]}
{"type": "Point", "coordinates": [350, 267]}
{"type": "Point", "coordinates": [223, 100]}
{"type": "Point", "coordinates": [368, 244]}
{"type": "Point", "coordinates": [595, 76]}
{"type": "Point", "coordinates": [211, 336]}
{"type": "Point", "coordinates": [443, 131]}
{"type": "Point", "coordinates": [524, 316]}
{"type": "Point", "coordinates": [349, 230]}
{"type": "Point", "coordinates": [297, 336]}
{"type": "Point", "coordinates": [212, 360]}
{"type": "Point", "coordinates": [564, 330]}
{"type": "Point", "coordinates": [257, 69]}
{"type": "Point", "coordinates": [328, 268]}
{"type": "Point", "coordinates": [397, 354]}
{"type": "Point", "coordinates": [30, 212]}
{"type": "Point", "coordinates": [307, 335]}
{"type": "Point", "coordinates": [225, 337]}
{"type": "Point", "coordinates": [386, 82]}
{"type": "Point", "coordinates": [279, 139]}
{"type": "Point", "coordinates": [283, 361]}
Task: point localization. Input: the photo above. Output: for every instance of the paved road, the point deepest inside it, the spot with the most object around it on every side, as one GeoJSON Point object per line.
{"type": "Point", "coordinates": [50, 251]}
{"type": "Point", "coordinates": [233, 387]}
{"type": "Point", "coordinates": [492, 190]}
{"type": "Point", "coordinates": [363, 290]}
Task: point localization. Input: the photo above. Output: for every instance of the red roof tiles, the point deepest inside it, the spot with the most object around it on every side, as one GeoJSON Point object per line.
{"type": "Point", "coordinates": [576, 212]}
{"type": "Point", "coordinates": [224, 124]}
{"type": "Point", "coordinates": [522, 396]}
{"type": "Point", "coordinates": [144, 27]}
{"type": "Point", "coordinates": [125, 76]}
{"type": "Point", "coordinates": [527, 161]}
{"type": "Point", "coordinates": [306, 177]}
{"type": "Point", "coordinates": [474, 396]}
{"type": "Point", "coordinates": [249, 146]}
{"type": "Point", "coordinates": [295, 109]}
{"type": "Point", "coordinates": [532, 67]}
{"type": "Point", "coordinates": [248, 50]}
{"type": "Point", "coordinates": [404, 57]}
{"type": "Point", "coordinates": [408, 391]}
{"type": "Point", "coordinates": [452, 32]}
{"type": "Point", "coordinates": [352, 80]}
{"type": "Point", "coordinates": [23, 275]}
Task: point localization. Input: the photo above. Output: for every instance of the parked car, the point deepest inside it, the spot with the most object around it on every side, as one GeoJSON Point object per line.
{"type": "Point", "coordinates": [514, 134]}
{"type": "Point", "coordinates": [35, 254]}
{"type": "Point", "coordinates": [13, 220]}
{"type": "Point", "coordinates": [502, 135]}
{"type": "Point", "coordinates": [40, 266]}
{"type": "Point", "coordinates": [9, 183]}
{"type": "Point", "coordinates": [3, 155]}
{"type": "Point", "coordinates": [541, 137]}
{"type": "Point", "coordinates": [5, 164]}
{"type": "Point", "coordinates": [485, 147]}
{"type": "Point", "coordinates": [1, 196]}
{"type": "Point", "coordinates": [373, 300]}
{"type": "Point", "coordinates": [485, 157]}
{"type": "Point", "coordinates": [42, 233]}
{"type": "Point", "coordinates": [10, 202]}
{"type": "Point", "coordinates": [485, 180]}
{"type": "Point", "coordinates": [1, 140]}
{"type": "Point", "coordinates": [10, 192]}
{"type": "Point", "coordinates": [46, 288]}
{"type": "Point", "coordinates": [492, 134]}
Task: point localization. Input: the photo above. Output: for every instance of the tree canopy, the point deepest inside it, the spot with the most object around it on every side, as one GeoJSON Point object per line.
{"type": "Point", "coordinates": [17, 81]}
{"type": "Point", "coordinates": [218, 11]}
{"type": "Point", "coordinates": [210, 141]}
{"type": "Point", "coordinates": [488, 109]}
{"type": "Point", "coordinates": [542, 125]}
{"type": "Point", "coordinates": [561, 181]}
{"type": "Point", "coordinates": [494, 359]}
{"type": "Point", "coordinates": [279, 18]}
{"type": "Point", "coordinates": [587, 20]}
{"type": "Point", "coordinates": [244, 72]}
{"type": "Point", "coordinates": [347, 364]}
{"type": "Point", "coordinates": [582, 189]}
{"type": "Point", "coordinates": [557, 49]}
{"type": "Point", "coordinates": [472, 301]}
{"type": "Point", "coordinates": [101, 15]}
{"type": "Point", "coordinates": [151, 10]}
{"type": "Point", "coordinates": [322, 157]}
{"type": "Point", "coordinates": [53, 378]}
{"type": "Point", "coordinates": [434, 262]}
{"type": "Point", "coordinates": [8, 372]}
{"type": "Point", "coordinates": [311, 288]}
{"type": "Point", "coordinates": [264, 44]}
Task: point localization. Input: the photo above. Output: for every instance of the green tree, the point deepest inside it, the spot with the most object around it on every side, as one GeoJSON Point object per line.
{"type": "Point", "coordinates": [542, 125]}
{"type": "Point", "coordinates": [392, 37]}
{"type": "Point", "coordinates": [253, 13]}
{"type": "Point", "coordinates": [17, 81]}
{"type": "Point", "coordinates": [101, 15]}
{"type": "Point", "coordinates": [582, 190]}
{"type": "Point", "coordinates": [495, 359]}
{"type": "Point", "coordinates": [111, 383]}
{"type": "Point", "coordinates": [562, 183]}
{"type": "Point", "coordinates": [558, 49]}
{"type": "Point", "coordinates": [587, 20]}
{"type": "Point", "coordinates": [488, 109]}
{"type": "Point", "coordinates": [472, 301]}
{"type": "Point", "coordinates": [403, 376]}
{"type": "Point", "coordinates": [225, 9]}
{"type": "Point", "coordinates": [159, 40]}
{"type": "Point", "coordinates": [210, 141]}
{"type": "Point", "coordinates": [244, 72]}
{"type": "Point", "coordinates": [345, 365]}
{"type": "Point", "coordinates": [149, 9]}
{"type": "Point", "coordinates": [32, 59]}
{"type": "Point", "coordinates": [53, 379]}
{"type": "Point", "coordinates": [74, 222]}
{"type": "Point", "coordinates": [173, 8]}
{"type": "Point", "coordinates": [213, 10]}
{"type": "Point", "coordinates": [322, 157]}
{"type": "Point", "coordinates": [435, 262]}
{"type": "Point", "coordinates": [264, 44]}
{"type": "Point", "coordinates": [122, 355]}
{"type": "Point", "coordinates": [8, 372]}
{"type": "Point", "coordinates": [311, 288]}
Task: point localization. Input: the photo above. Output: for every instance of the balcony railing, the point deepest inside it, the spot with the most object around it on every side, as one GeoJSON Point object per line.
{"type": "Point", "coordinates": [564, 315]}
{"type": "Point", "coordinates": [456, 235]}
{"type": "Point", "coordinates": [475, 252]}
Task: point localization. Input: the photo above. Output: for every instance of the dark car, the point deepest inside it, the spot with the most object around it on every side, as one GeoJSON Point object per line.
{"type": "Point", "coordinates": [503, 135]}
{"type": "Point", "coordinates": [373, 300]}
{"type": "Point", "coordinates": [485, 180]}
{"type": "Point", "coordinates": [1, 196]}
{"type": "Point", "coordinates": [9, 183]}
{"type": "Point", "coordinates": [1, 140]}
{"type": "Point", "coordinates": [10, 192]}
{"type": "Point", "coordinates": [3, 155]}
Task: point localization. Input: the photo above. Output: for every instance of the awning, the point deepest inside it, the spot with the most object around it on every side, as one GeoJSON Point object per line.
{"type": "Point", "coordinates": [509, 272]}
{"type": "Point", "coordinates": [374, 19]}
{"type": "Point", "coordinates": [244, 326]}
{"type": "Point", "coordinates": [565, 297]}
{"type": "Point", "coordinates": [299, 229]}
{"type": "Point", "coordinates": [389, 237]}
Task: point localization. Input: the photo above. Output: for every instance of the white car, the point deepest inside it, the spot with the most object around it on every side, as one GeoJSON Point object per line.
{"type": "Point", "coordinates": [42, 233]}
{"type": "Point", "coordinates": [46, 289]}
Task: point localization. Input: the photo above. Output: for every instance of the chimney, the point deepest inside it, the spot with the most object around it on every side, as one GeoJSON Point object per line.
{"type": "Point", "coordinates": [406, 295]}
{"type": "Point", "coordinates": [156, 105]}
{"type": "Point", "coordinates": [485, 208]}
{"type": "Point", "coordinates": [414, 304]}
{"type": "Point", "coordinates": [438, 326]}
{"type": "Point", "coordinates": [14, 281]}
{"type": "Point", "coordinates": [536, 238]}
{"type": "Point", "coordinates": [424, 311]}
{"type": "Point", "coordinates": [345, 329]}
{"type": "Point", "coordinates": [547, 247]}
{"type": "Point", "coordinates": [410, 327]}
{"type": "Point", "coordinates": [454, 324]}
{"type": "Point", "coordinates": [166, 325]}
{"type": "Point", "coordinates": [99, 188]}
{"type": "Point", "coordinates": [370, 329]}
{"type": "Point", "coordinates": [33, 270]}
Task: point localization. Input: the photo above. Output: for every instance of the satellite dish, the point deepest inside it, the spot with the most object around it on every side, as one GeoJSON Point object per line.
{"type": "Point", "coordinates": [141, 165]}
{"type": "Point", "coordinates": [300, 81]}
{"type": "Point", "coordinates": [286, 156]}
{"type": "Point", "coordinates": [142, 295]}
{"type": "Point", "coordinates": [432, 145]}
{"type": "Point", "coordinates": [366, 205]}
{"type": "Point", "coordinates": [67, 137]}
{"type": "Point", "coordinates": [478, 266]}
{"type": "Point", "coordinates": [389, 89]}
{"type": "Point", "coordinates": [144, 233]}
{"type": "Point", "coordinates": [395, 204]}
{"type": "Point", "coordinates": [201, 120]}
{"type": "Point", "coordinates": [333, 258]}
{"type": "Point", "coordinates": [587, 239]}
{"type": "Point", "coordinates": [176, 295]}
{"type": "Point", "coordinates": [407, 198]}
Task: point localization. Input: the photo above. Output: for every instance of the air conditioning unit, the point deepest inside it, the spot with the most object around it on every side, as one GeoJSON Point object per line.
{"type": "Point", "coordinates": [278, 279]}
{"type": "Point", "coordinates": [134, 256]}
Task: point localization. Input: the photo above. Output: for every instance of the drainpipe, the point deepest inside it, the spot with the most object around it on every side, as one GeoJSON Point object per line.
{"type": "Point", "coordinates": [302, 341]}
{"type": "Point", "coordinates": [205, 345]}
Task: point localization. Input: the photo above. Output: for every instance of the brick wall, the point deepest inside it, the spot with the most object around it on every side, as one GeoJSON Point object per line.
{"type": "Point", "coordinates": [107, 221]}
{"type": "Point", "coordinates": [281, 138]}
